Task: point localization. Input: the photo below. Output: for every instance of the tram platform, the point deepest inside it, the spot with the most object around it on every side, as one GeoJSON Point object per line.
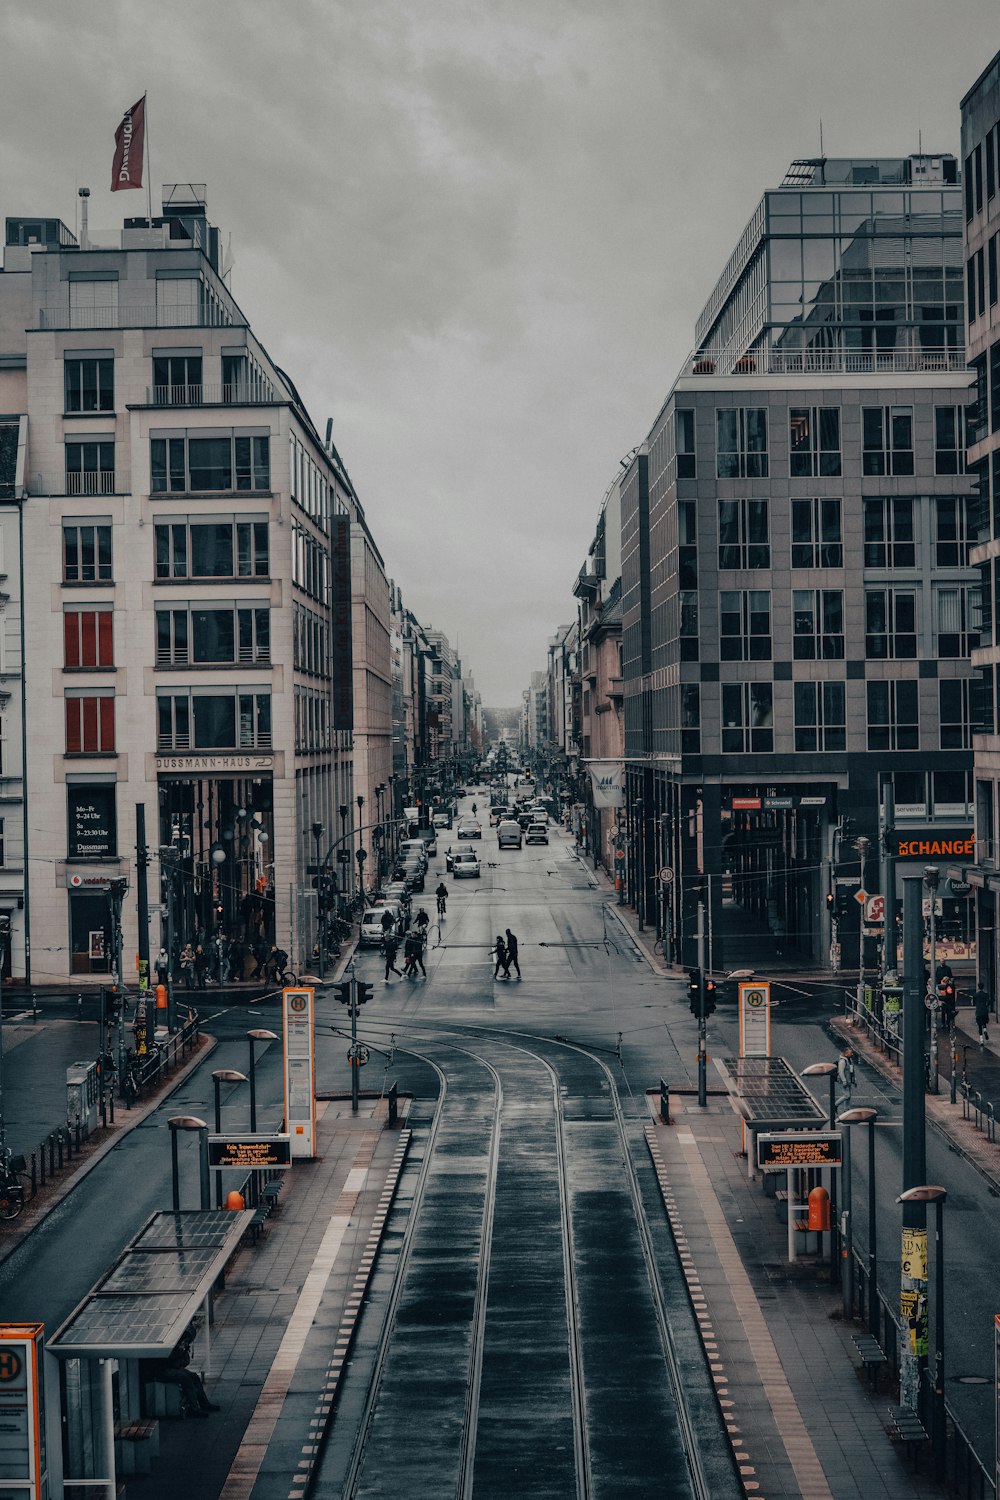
{"type": "Point", "coordinates": [283, 1323]}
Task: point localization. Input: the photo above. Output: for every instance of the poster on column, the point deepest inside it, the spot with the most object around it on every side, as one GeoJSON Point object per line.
{"type": "Point", "coordinates": [755, 1019]}
{"type": "Point", "coordinates": [300, 1070]}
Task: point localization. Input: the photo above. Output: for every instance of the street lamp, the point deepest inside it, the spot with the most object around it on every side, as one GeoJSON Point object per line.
{"type": "Point", "coordinates": [936, 1195]}
{"type": "Point", "coordinates": [361, 853]}
{"type": "Point", "coordinates": [819, 1070]}
{"type": "Point", "coordinates": [219, 1077]}
{"type": "Point", "coordinates": [189, 1122]}
{"type": "Point", "coordinates": [932, 877]}
{"type": "Point", "coordinates": [856, 1117]}
{"type": "Point", "coordinates": [861, 848]}
{"type": "Point", "coordinates": [317, 833]}
{"type": "Point", "coordinates": [259, 1034]}
{"type": "Point", "coordinates": [343, 811]}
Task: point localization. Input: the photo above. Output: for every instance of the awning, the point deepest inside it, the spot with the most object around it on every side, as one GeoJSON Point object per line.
{"type": "Point", "coordinates": [141, 1306]}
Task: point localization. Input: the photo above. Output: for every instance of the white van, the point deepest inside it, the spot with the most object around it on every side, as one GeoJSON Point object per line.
{"type": "Point", "coordinates": [509, 834]}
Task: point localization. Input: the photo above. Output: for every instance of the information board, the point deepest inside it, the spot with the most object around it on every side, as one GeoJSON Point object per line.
{"type": "Point", "coordinates": [300, 1070]}
{"type": "Point", "coordinates": [799, 1148]}
{"type": "Point", "coordinates": [22, 1415]}
{"type": "Point", "coordinates": [249, 1153]}
{"type": "Point", "coordinates": [755, 1018]}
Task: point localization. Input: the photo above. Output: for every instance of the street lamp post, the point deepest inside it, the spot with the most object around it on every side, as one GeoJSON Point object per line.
{"type": "Point", "coordinates": [259, 1034]}
{"type": "Point", "coordinates": [848, 1118]}
{"type": "Point", "coordinates": [317, 833]}
{"type": "Point", "coordinates": [219, 1077]}
{"type": "Point", "coordinates": [176, 1124]}
{"type": "Point", "coordinates": [829, 1070]}
{"type": "Point", "coordinates": [928, 1193]}
{"type": "Point", "coordinates": [932, 877]}
{"type": "Point", "coordinates": [861, 847]}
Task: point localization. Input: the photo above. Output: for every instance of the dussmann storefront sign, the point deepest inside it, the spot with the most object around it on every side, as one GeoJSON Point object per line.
{"type": "Point", "coordinates": [933, 843]}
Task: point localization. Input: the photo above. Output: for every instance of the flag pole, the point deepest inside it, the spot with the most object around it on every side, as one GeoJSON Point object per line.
{"type": "Point", "coordinates": [149, 180]}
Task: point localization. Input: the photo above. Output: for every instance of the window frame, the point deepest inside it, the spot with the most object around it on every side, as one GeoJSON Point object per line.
{"type": "Point", "coordinates": [748, 642]}
{"type": "Point", "coordinates": [742, 461]}
{"type": "Point", "coordinates": [103, 384]}
{"type": "Point", "coordinates": [826, 721]}
{"type": "Point", "coordinates": [88, 631]}
{"type": "Point", "coordinates": [892, 688]}
{"type": "Point", "coordinates": [96, 724]}
{"type": "Point", "coordinates": [815, 461]}
{"type": "Point", "coordinates": [98, 528]}
{"type": "Point", "coordinates": [887, 458]}
{"type": "Point", "coordinates": [820, 552]}
{"type": "Point", "coordinates": [898, 644]}
{"type": "Point", "coordinates": [171, 467]}
{"type": "Point", "coordinates": [753, 739]}
{"type": "Point", "coordinates": [897, 552]}
{"type": "Point", "coordinates": [826, 645]}
{"type": "Point", "coordinates": [745, 553]}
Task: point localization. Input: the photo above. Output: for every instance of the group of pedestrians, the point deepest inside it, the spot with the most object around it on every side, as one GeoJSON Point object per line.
{"type": "Point", "coordinates": [414, 944]}
{"type": "Point", "coordinates": [505, 953]}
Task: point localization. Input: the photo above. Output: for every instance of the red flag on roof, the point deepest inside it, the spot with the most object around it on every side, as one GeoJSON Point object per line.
{"type": "Point", "coordinates": [130, 142]}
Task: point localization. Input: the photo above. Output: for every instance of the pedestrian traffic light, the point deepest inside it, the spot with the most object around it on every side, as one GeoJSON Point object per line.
{"type": "Point", "coordinates": [343, 992]}
{"type": "Point", "coordinates": [365, 990]}
{"type": "Point", "coordinates": [711, 995]}
{"type": "Point", "coordinates": [694, 991]}
{"type": "Point", "coordinates": [831, 901]}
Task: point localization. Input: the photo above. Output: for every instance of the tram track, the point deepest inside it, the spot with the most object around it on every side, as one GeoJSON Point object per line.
{"type": "Point", "coordinates": [525, 1347]}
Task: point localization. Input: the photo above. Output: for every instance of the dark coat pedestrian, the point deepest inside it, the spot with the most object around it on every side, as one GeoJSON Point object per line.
{"type": "Point", "coordinates": [200, 966]}
{"type": "Point", "coordinates": [981, 1002]}
{"type": "Point", "coordinates": [500, 953]}
{"type": "Point", "coordinates": [511, 954]}
{"type": "Point", "coordinates": [390, 948]}
{"type": "Point", "coordinates": [411, 951]}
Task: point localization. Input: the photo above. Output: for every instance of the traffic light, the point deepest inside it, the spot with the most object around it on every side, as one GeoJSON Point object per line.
{"type": "Point", "coordinates": [694, 991]}
{"type": "Point", "coordinates": [710, 996]}
{"type": "Point", "coordinates": [365, 991]}
{"type": "Point", "coordinates": [343, 992]}
{"type": "Point", "coordinates": [831, 902]}
{"type": "Point", "coordinates": [843, 901]}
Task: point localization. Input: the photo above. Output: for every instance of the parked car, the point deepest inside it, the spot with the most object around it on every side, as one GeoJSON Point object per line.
{"type": "Point", "coordinates": [466, 865]}
{"type": "Point", "coordinates": [398, 890]}
{"type": "Point", "coordinates": [398, 913]}
{"type": "Point", "coordinates": [538, 833]}
{"type": "Point", "coordinates": [371, 928]}
{"type": "Point", "coordinates": [441, 818]}
{"type": "Point", "coordinates": [413, 847]}
{"type": "Point", "coordinates": [508, 834]}
{"type": "Point", "coordinates": [470, 828]}
{"type": "Point", "coordinates": [449, 858]}
{"type": "Point", "coordinates": [413, 873]}
{"type": "Point", "coordinates": [430, 842]}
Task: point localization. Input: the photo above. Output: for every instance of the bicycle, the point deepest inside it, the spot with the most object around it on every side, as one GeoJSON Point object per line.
{"type": "Point", "coordinates": [442, 902]}
{"type": "Point", "coordinates": [14, 1184]}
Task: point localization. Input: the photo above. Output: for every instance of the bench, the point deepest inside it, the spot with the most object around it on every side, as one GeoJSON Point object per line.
{"type": "Point", "coordinates": [872, 1355]}
{"type": "Point", "coordinates": [271, 1193]}
{"type": "Point", "coordinates": [137, 1446]}
{"type": "Point", "coordinates": [256, 1226]}
{"type": "Point", "coordinates": [905, 1427]}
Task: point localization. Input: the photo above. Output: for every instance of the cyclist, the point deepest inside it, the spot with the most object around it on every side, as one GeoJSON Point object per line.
{"type": "Point", "coordinates": [422, 922]}
{"type": "Point", "coordinates": [442, 898]}
{"type": "Point", "coordinates": [277, 964]}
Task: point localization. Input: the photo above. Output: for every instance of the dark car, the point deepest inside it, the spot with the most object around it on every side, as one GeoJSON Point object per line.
{"type": "Point", "coordinates": [413, 873]}
{"type": "Point", "coordinates": [524, 818]}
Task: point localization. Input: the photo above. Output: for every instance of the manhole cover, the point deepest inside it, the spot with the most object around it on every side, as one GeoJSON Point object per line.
{"type": "Point", "coordinates": [973, 1380]}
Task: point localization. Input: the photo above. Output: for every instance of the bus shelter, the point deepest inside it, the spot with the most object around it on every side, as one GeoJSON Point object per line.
{"type": "Point", "coordinates": [136, 1315]}
{"type": "Point", "coordinates": [773, 1102]}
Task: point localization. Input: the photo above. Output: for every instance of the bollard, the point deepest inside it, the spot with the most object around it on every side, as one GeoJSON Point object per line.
{"type": "Point", "coordinates": [664, 1101]}
{"type": "Point", "coordinates": [34, 1006]}
{"type": "Point", "coordinates": [34, 1175]}
{"type": "Point", "coordinates": [41, 1156]}
{"type": "Point", "coordinates": [79, 1007]}
{"type": "Point", "coordinates": [69, 1143]}
{"type": "Point", "coordinates": [52, 1156]}
{"type": "Point", "coordinates": [59, 1147]}
{"type": "Point", "coordinates": [111, 1101]}
{"type": "Point", "coordinates": [393, 1100]}
{"type": "Point", "coordinates": [78, 1134]}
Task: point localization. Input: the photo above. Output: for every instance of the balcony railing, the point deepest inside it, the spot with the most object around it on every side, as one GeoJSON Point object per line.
{"type": "Point", "coordinates": [143, 315]}
{"type": "Point", "coordinates": [245, 657]}
{"type": "Point", "coordinates": [174, 743]}
{"type": "Point", "coordinates": [764, 361]}
{"type": "Point", "coordinates": [88, 482]}
{"type": "Point", "coordinates": [233, 393]}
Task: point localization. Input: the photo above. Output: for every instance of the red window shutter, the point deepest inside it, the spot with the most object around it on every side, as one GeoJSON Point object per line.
{"type": "Point", "coordinates": [71, 636]}
{"type": "Point", "coordinates": [73, 745]}
{"type": "Point", "coordinates": [107, 724]}
{"type": "Point", "coordinates": [105, 638]}
{"type": "Point", "coordinates": [89, 706]}
{"type": "Point", "coordinates": [88, 638]}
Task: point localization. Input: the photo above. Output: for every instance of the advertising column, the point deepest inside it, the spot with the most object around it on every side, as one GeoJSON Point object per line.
{"type": "Point", "coordinates": [300, 1070]}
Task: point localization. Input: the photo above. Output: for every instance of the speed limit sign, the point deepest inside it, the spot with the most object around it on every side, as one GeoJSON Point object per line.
{"type": "Point", "coordinates": [666, 876]}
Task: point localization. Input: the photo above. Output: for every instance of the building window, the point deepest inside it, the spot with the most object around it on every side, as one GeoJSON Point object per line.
{"type": "Point", "coordinates": [959, 616]}
{"type": "Point", "coordinates": [88, 637]}
{"type": "Point", "coordinates": [87, 553]}
{"type": "Point", "coordinates": [818, 624]}
{"type": "Point", "coordinates": [3, 845]}
{"type": "Point", "coordinates": [689, 624]}
{"type": "Point", "coordinates": [684, 426]}
{"type": "Point", "coordinates": [178, 301]}
{"type": "Point", "coordinates": [177, 380]}
{"type": "Point", "coordinates": [890, 624]}
{"type": "Point", "coordinates": [893, 722]}
{"type": "Point", "coordinates": [887, 434]}
{"type": "Point", "coordinates": [90, 723]}
{"type": "Point", "coordinates": [217, 549]}
{"type": "Point", "coordinates": [690, 718]}
{"type": "Point", "coordinates": [93, 304]}
{"type": "Point", "coordinates": [954, 533]}
{"type": "Point", "coordinates": [89, 383]}
{"type": "Point", "coordinates": [747, 717]}
{"type": "Point", "coordinates": [978, 409]}
{"type": "Point", "coordinates": [741, 436]}
{"type": "Point", "coordinates": [687, 535]}
{"type": "Point", "coordinates": [213, 636]}
{"type": "Point", "coordinates": [952, 793]}
{"type": "Point", "coordinates": [191, 464]}
{"type": "Point", "coordinates": [889, 537]}
{"type": "Point", "coordinates": [991, 264]}
{"type": "Point", "coordinates": [994, 362]}
{"type": "Point", "coordinates": [213, 721]}
{"type": "Point", "coordinates": [949, 439]}
{"type": "Point", "coordinates": [820, 716]}
{"type": "Point", "coordinates": [90, 468]}
{"type": "Point", "coordinates": [814, 441]}
{"type": "Point", "coordinates": [743, 534]}
{"type": "Point", "coordinates": [954, 697]}
{"type": "Point", "coordinates": [817, 541]}
{"type": "Point", "coordinates": [745, 625]}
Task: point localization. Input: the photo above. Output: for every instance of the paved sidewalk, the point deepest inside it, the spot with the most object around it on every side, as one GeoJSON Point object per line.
{"type": "Point", "coordinates": [282, 1325]}
{"type": "Point", "coordinates": [801, 1422]}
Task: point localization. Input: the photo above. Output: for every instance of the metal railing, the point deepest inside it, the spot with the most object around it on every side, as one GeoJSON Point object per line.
{"type": "Point", "coordinates": [882, 1030]}
{"type": "Point", "coordinates": [763, 361]}
{"type": "Point", "coordinates": [141, 1074]}
{"type": "Point", "coordinates": [142, 315]}
{"type": "Point", "coordinates": [181, 743]}
{"type": "Point", "coordinates": [231, 393]}
{"type": "Point", "coordinates": [88, 482]}
{"type": "Point", "coordinates": [981, 1112]}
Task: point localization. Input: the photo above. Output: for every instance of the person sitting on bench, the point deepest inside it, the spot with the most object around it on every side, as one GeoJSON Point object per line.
{"type": "Point", "coordinates": [176, 1371]}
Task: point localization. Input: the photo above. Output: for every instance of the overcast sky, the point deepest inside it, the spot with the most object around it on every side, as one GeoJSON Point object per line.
{"type": "Point", "coordinates": [476, 234]}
